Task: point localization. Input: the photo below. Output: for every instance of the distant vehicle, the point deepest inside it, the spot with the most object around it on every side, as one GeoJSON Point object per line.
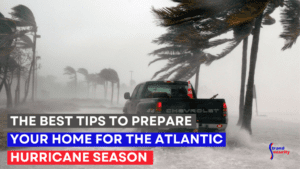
{"type": "Point", "coordinates": [177, 97]}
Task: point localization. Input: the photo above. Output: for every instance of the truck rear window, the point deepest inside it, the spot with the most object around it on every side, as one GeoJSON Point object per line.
{"type": "Point", "coordinates": [168, 90]}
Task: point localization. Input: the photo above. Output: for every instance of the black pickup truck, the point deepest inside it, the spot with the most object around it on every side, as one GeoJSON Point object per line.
{"type": "Point", "coordinates": [163, 97]}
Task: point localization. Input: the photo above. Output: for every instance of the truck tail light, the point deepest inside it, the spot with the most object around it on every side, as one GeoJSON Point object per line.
{"type": "Point", "coordinates": [224, 109]}
{"type": "Point", "coordinates": [158, 106]}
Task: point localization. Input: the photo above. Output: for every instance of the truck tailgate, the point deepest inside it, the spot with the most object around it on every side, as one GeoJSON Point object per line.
{"type": "Point", "coordinates": [207, 110]}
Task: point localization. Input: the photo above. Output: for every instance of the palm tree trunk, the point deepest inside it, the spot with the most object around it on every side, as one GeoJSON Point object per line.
{"type": "Point", "coordinates": [8, 95]}
{"type": "Point", "coordinates": [5, 72]}
{"type": "Point", "coordinates": [112, 92]}
{"type": "Point", "coordinates": [106, 86]}
{"type": "Point", "coordinates": [33, 60]}
{"type": "Point", "coordinates": [246, 123]}
{"type": "Point", "coordinates": [104, 89]}
{"type": "Point", "coordinates": [197, 79]}
{"type": "Point", "coordinates": [243, 80]}
{"type": "Point", "coordinates": [17, 91]}
{"type": "Point", "coordinates": [27, 84]}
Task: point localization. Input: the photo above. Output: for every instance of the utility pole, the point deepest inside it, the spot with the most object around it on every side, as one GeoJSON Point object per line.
{"type": "Point", "coordinates": [35, 36]}
{"type": "Point", "coordinates": [131, 80]}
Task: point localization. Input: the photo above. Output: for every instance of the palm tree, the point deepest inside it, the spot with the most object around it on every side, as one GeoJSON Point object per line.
{"type": "Point", "coordinates": [25, 42]}
{"type": "Point", "coordinates": [100, 81]}
{"type": "Point", "coordinates": [237, 14]}
{"type": "Point", "coordinates": [110, 75]}
{"type": "Point", "coordinates": [104, 74]}
{"type": "Point", "coordinates": [291, 22]}
{"type": "Point", "coordinates": [114, 78]}
{"type": "Point", "coordinates": [11, 66]}
{"type": "Point", "coordinates": [85, 73]}
{"type": "Point", "coordinates": [247, 113]}
{"type": "Point", "coordinates": [93, 79]}
{"type": "Point", "coordinates": [267, 20]}
{"type": "Point", "coordinates": [243, 79]}
{"type": "Point", "coordinates": [73, 75]}
{"type": "Point", "coordinates": [9, 33]}
{"type": "Point", "coordinates": [24, 17]}
{"type": "Point", "coordinates": [184, 53]}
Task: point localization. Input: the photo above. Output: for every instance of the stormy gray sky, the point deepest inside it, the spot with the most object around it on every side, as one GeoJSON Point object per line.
{"type": "Point", "coordinates": [117, 34]}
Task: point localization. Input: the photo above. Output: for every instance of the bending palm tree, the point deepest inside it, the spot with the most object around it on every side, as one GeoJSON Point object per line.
{"type": "Point", "coordinates": [25, 17]}
{"type": "Point", "coordinates": [110, 75]}
{"type": "Point", "coordinates": [73, 75]}
{"type": "Point", "coordinates": [114, 78]}
{"type": "Point", "coordinates": [26, 43]}
{"type": "Point", "coordinates": [85, 73]}
{"type": "Point", "coordinates": [184, 53]}
{"type": "Point", "coordinates": [267, 20]}
{"type": "Point", "coordinates": [237, 13]}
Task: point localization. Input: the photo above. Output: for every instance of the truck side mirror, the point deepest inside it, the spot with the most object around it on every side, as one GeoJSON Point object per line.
{"type": "Point", "coordinates": [127, 95]}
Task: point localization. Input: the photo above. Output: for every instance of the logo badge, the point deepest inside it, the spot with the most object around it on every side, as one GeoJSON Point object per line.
{"type": "Point", "coordinates": [274, 150]}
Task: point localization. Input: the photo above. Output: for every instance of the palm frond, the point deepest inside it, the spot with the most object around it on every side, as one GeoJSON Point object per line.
{"type": "Point", "coordinates": [24, 15]}
{"type": "Point", "coordinates": [186, 72]}
{"type": "Point", "coordinates": [168, 74]}
{"type": "Point", "coordinates": [69, 71]}
{"type": "Point", "coordinates": [109, 75]}
{"type": "Point", "coordinates": [217, 43]}
{"type": "Point", "coordinates": [26, 40]}
{"type": "Point", "coordinates": [268, 20]}
{"type": "Point", "coordinates": [226, 51]}
{"type": "Point", "coordinates": [167, 67]}
{"type": "Point", "coordinates": [157, 59]}
{"type": "Point", "coordinates": [6, 50]}
{"type": "Point", "coordinates": [83, 71]}
{"type": "Point", "coordinates": [290, 19]}
{"type": "Point", "coordinates": [170, 50]}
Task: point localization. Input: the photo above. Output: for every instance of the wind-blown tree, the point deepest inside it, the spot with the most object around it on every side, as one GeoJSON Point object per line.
{"type": "Point", "coordinates": [105, 75]}
{"type": "Point", "coordinates": [73, 75]}
{"type": "Point", "coordinates": [85, 73]}
{"type": "Point", "coordinates": [24, 17]}
{"type": "Point", "coordinates": [267, 20]}
{"type": "Point", "coordinates": [11, 67]}
{"type": "Point", "coordinates": [100, 81]}
{"type": "Point", "coordinates": [21, 59]}
{"type": "Point", "coordinates": [114, 78]}
{"type": "Point", "coordinates": [184, 53]}
{"type": "Point", "coordinates": [24, 42]}
{"type": "Point", "coordinates": [236, 13]}
{"type": "Point", "coordinates": [110, 75]}
{"type": "Point", "coordinates": [7, 35]}
{"type": "Point", "coordinates": [93, 79]}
